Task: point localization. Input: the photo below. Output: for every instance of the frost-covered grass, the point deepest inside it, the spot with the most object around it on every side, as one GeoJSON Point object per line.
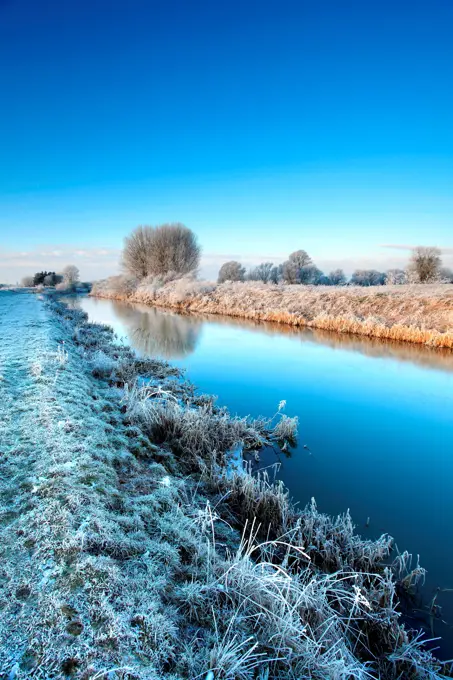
{"type": "Point", "coordinates": [131, 550]}
{"type": "Point", "coordinates": [412, 313]}
{"type": "Point", "coordinates": [195, 430]}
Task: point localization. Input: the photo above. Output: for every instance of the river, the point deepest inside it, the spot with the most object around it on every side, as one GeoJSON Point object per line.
{"type": "Point", "coordinates": [376, 420]}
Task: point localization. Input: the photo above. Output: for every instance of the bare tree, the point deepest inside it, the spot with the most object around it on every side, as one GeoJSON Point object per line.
{"type": "Point", "coordinates": [174, 249]}
{"type": "Point", "coordinates": [154, 251]}
{"type": "Point", "coordinates": [135, 252]}
{"type": "Point", "coordinates": [297, 268]}
{"type": "Point", "coordinates": [28, 282]}
{"type": "Point", "coordinates": [424, 265]}
{"type": "Point", "coordinates": [290, 272]}
{"type": "Point", "coordinates": [337, 277]}
{"type": "Point", "coordinates": [300, 258]}
{"type": "Point", "coordinates": [70, 275]}
{"type": "Point", "coordinates": [395, 277]}
{"type": "Point", "coordinates": [231, 271]}
{"type": "Point", "coordinates": [265, 272]}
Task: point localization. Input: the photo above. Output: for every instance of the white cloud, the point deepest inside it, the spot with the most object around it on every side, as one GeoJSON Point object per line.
{"type": "Point", "coordinates": [402, 246]}
{"type": "Point", "coordinates": [94, 263]}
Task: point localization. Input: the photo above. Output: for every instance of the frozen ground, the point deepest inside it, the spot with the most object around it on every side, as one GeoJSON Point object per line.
{"type": "Point", "coordinates": [120, 536]}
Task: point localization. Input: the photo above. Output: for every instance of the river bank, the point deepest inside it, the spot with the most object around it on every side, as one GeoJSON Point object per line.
{"type": "Point", "coordinates": [411, 313]}
{"type": "Point", "coordinates": [129, 543]}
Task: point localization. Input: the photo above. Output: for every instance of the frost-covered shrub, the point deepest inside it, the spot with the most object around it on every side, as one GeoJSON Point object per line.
{"type": "Point", "coordinates": [103, 366]}
{"type": "Point", "coordinates": [367, 277]}
{"type": "Point", "coordinates": [116, 285]}
{"type": "Point", "coordinates": [255, 498]}
{"type": "Point", "coordinates": [199, 432]}
{"type": "Point", "coordinates": [186, 288]}
{"type": "Point", "coordinates": [337, 278]}
{"type": "Point", "coordinates": [395, 277]}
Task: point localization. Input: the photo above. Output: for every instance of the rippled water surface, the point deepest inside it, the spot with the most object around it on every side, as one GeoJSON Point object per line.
{"type": "Point", "coordinates": [377, 418]}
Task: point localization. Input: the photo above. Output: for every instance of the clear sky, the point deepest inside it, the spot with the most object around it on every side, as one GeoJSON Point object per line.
{"type": "Point", "coordinates": [264, 126]}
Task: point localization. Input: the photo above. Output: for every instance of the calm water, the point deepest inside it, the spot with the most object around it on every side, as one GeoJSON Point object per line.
{"type": "Point", "coordinates": [377, 418]}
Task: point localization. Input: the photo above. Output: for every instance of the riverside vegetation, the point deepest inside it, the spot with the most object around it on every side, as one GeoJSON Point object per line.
{"type": "Point", "coordinates": [136, 545]}
{"type": "Point", "coordinates": [420, 313]}
{"type": "Point", "coordinates": [161, 263]}
{"type": "Point", "coordinates": [416, 305]}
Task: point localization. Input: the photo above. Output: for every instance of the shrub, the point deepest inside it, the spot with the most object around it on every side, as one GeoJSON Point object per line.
{"type": "Point", "coordinates": [367, 277]}
{"type": "Point", "coordinates": [38, 278]}
{"type": "Point", "coordinates": [43, 278]}
{"type": "Point", "coordinates": [154, 251]}
{"type": "Point", "coordinates": [202, 433]}
{"type": "Point", "coordinates": [116, 285]}
{"type": "Point", "coordinates": [52, 279]}
{"type": "Point", "coordinates": [102, 365]}
{"type": "Point", "coordinates": [337, 277]}
{"type": "Point", "coordinates": [187, 288]}
{"type": "Point", "coordinates": [395, 277]}
{"type": "Point", "coordinates": [231, 271]}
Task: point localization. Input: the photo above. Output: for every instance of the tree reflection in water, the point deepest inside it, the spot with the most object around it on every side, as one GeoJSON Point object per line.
{"type": "Point", "coordinates": [155, 332]}
{"type": "Point", "coordinates": [422, 355]}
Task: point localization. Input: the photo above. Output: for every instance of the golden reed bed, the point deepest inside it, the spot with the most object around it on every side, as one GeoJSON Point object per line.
{"type": "Point", "coordinates": [412, 313]}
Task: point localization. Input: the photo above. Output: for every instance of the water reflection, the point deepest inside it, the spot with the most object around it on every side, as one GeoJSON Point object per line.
{"type": "Point", "coordinates": [174, 336]}
{"type": "Point", "coordinates": [421, 355]}
{"type": "Point", "coordinates": [154, 332]}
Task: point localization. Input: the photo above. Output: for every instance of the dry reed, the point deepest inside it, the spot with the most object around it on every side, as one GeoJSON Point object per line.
{"type": "Point", "coordinates": [412, 313]}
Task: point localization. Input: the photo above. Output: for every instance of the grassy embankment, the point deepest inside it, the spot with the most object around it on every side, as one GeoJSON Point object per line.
{"type": "Point", "coordinates": [416, 313]}
{"type": "Point", "coordinates": [130, 549]}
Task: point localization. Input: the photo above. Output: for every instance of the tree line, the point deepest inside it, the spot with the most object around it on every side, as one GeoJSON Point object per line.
{"type": "Point", "coordinates": [68, 279]}
{"type": "Point", "coordinates": [425, 266]}
{"type": "Point", "coordinates": [174, 249]}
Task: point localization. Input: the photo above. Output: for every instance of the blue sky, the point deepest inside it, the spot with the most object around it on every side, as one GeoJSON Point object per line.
{"type": "Point", "coordinates": [264, 126]}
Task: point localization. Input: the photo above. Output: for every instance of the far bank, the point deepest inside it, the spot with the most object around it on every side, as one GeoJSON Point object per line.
{"type": "Point", "coordinates": [418, 313]}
